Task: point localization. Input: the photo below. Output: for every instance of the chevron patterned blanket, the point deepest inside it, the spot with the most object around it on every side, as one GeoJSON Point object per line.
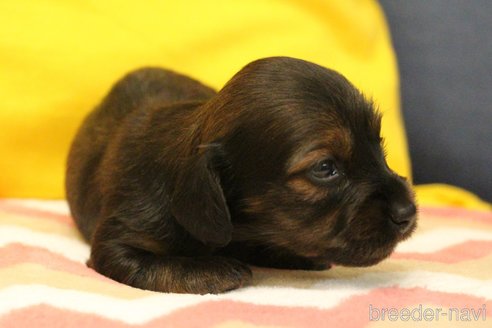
{"type": "Point", "coordinates": [441, 276]}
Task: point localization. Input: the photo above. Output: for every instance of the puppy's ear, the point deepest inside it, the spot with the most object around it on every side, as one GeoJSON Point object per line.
{"type": "Point", "coordinates": [198, 202]}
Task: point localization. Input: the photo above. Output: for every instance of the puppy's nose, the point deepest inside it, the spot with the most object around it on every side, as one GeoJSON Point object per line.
{"type": "Point", "coordinates": [403, 215]}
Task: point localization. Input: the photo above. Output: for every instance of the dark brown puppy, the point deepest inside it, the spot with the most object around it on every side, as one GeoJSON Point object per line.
{"type": "Point", "coordinates": [176, 186]}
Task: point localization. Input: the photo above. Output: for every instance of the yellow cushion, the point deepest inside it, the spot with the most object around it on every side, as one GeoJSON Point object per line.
{"type": "Point", "coordinates": [58, 58]}
{"type": "Point", "coordinates": [442, 194]}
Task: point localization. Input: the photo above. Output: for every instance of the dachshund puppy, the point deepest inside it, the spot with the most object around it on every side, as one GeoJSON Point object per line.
{"type": "Point", "coordinates": [178, 188]}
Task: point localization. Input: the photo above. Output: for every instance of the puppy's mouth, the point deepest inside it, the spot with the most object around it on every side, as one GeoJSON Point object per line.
{"type": "Point", "coordinates": [363, 252]}
{"type": "Point", "coordinates": [353, 257]}
{"type": "Point", "coordinates": [377, 243]}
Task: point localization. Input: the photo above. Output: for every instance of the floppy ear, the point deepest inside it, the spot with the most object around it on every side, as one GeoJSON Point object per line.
{"type": "Point", "coordinates": [198, 203]}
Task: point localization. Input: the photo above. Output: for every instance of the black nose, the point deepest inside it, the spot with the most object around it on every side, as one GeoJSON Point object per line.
{"type": "Point", "coordinates": [403, 215]}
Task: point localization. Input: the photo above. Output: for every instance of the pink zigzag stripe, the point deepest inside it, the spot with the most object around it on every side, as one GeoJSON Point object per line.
{"type": "Point", "coordinates": [352, 312]}
{"type": "Point", "coordinates": [466, 251]}
{"type": "Point", "coordinates": [36, 213]}
{"type": "Point", "coordinates": [17, 253]}
{"type": "Point", "coordinates": [457, 213]}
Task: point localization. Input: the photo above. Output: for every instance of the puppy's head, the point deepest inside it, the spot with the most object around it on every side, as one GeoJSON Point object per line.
{"type": "Point", "coordinates": [303, 164]}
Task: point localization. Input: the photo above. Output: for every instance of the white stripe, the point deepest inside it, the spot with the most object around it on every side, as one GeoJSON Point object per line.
{"type": "Point", "coordinates": [130, 311]}
{"type": "Point", "coordinates": [71, 248]}
{"type": "Point", "coordinates": [433, 281]}
{"type": "Point", "coordinates": [324, 295]}
{"type": "Point", "coordinates": [435, 240]}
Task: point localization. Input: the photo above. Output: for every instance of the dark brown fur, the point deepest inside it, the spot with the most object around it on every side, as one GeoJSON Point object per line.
{"type": "Point", "coordinates": [176, 186]}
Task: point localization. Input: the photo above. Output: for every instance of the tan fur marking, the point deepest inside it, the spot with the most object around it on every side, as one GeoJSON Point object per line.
{"type": "Point", "coordinates": [309, 191]}
{"type": "Point", "coordinates": [309, 159]}
{"type": "Point", "coordinates": [337, 143]}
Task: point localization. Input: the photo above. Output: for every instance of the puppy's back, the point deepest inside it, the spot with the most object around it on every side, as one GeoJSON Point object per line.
{"type": "Point", "coordinates": [140, 90]}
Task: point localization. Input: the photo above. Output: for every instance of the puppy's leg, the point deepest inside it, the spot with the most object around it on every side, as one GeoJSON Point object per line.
{"type": "Point", "coordinates": [272, 257]}
{"type": "Point", "coordinates": [290, 262]}
{"type": "Point", "coordinates": [124, 260]}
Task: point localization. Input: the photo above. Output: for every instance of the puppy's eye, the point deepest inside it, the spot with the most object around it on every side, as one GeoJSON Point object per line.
{"type": "Point", "coordinates": [325, 170]}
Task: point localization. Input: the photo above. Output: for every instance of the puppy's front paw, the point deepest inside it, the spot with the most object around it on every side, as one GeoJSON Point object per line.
{"type": "Point", "coordinates": [218, 274]}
